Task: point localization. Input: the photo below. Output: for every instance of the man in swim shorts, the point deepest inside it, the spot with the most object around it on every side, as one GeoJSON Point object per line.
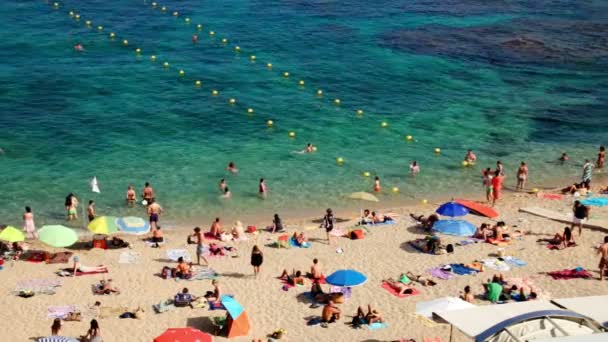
{"type": "Point", "coordinates": [198, 235]}
{"type": "Point", "coordinates": [148, 193]}
{"type": "Point", "coordinates": [603, 250]}
{"type": "Point", "coordinates": [154, 210]}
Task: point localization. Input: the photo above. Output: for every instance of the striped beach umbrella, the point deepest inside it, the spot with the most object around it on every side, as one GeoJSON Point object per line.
{"type": "Point", "coordinates": [133, 225]}
{"type": "Point", "coordinates": [104, 225]}
{"type": "Point", "coordinates": [57, 339]}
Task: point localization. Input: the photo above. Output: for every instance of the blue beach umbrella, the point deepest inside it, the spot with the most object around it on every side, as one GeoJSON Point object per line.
{"type": "Point", "coordinates": [133, 225]}
{"type": "Point", "coordinates": [346, 278]}
{"type": "Point", "coordinates": [454, 227]}
{"type": "Point", "coordinates": [452, 209]}
{"type": "Point", "coordinates": [234, 308]}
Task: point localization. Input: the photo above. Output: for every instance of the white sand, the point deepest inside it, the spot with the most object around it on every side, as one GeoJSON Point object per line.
{"type": "Point", "coordinates": [383, 253]}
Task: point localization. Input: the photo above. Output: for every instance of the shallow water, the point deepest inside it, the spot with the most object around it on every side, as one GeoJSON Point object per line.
{"type": "Point", "coordinates": [512, 80]}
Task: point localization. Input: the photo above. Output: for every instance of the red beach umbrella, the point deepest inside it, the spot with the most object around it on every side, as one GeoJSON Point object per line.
{"type": "Point", "coordinates": [183, 335]}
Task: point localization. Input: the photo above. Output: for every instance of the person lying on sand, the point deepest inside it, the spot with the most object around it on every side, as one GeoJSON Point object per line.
{"type": "Point", "coordinates": [425, 222]}
{"type": "Point", "coordinates": [105, 287]}
{"type": "Point", "coordinates": [562, 240]}
{"type": "Point", "coordinates": [398, 286]}
{"type": "Point", "coordinates": [294, 279]}
{"type": "Point", "coordinates": [77, 267]}
{"type": "Point", "coordinates": [420, 279]}
{"type": "Point", "coordinates": [361, 318]}
{"type": "Point", "coordinates": [299, 238]}
{"type": "Point", "coordinates": [379, 218]}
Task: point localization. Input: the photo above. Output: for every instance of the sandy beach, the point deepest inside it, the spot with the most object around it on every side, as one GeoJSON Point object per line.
{"type": "Point", "coordinates": [382, 254]}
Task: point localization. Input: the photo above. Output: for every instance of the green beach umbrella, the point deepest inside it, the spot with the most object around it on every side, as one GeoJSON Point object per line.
{"type": "Point", "coordinates": [57, 236]}
{"type": "Point", "coordinates": [104, 225]}
{"type": "Point", "coordinates": [11, 234]}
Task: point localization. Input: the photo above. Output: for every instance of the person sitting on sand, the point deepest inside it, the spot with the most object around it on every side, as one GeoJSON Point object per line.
{"type": "Point", "coordinates": [425, 222]}
{"type": "Point", "coordinates": [493, 290]}
{"type": "Point", "coordinates": [182, 270]}
{"type": "Point", "coordinates": [483, 232]}
{"type": "Point", "coordinates": [105, 287]}
{"type": "Point", "coordinates": [562, 240]}
{"type": "Point", "coordinates": [216, 228]}
{"type": "Point", "coordinates": [433, 244]}
{"type": "Point", "coordinates": [366, 218]}
{"type": "Point", "coordinates": [379, 218]}
{"type": "Point", "coordinates": [499, 230]}
{"type": "Point", "coordinates": [18, 250]}
{"type": "Point", "coordinates": [118, 242]}
{"type": "Point", "coordinates": [331, 313]}
{"type": "Point", "coordinates": [299, 238]}
{"type": "Point", "coordinates": [93, 334]}
{"type": "Point", "coordinates": [315, 270]}
{"type": "Point", "coordinates": [372, 316]}
{"type": "Point", "coordinates": [77, 267]}
{"type": "Point", "coordinates": [56, 327]}
{"type": "Point", "coordinates": [216, 294]}
{"type": "Point", "coordinates": [294, 279]}
{"type": "Point", "coordinates": [238, 232]}
{"type": "Point", "coordinates": [157, 236]}
{"type": "Point", "coordinates": [398, 286]}
{"type": "Point", "coordinates": [184, 299]}
{"type": "Point", "coordinates": [277, 225]}
{"type": "Point", "coordinates": [467, 295]}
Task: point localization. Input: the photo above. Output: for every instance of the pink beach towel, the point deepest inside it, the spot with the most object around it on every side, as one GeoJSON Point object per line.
{"type": "Point", "coordinates": [570, 274]}
{"type": "Point", "coordinates": [394, 292]}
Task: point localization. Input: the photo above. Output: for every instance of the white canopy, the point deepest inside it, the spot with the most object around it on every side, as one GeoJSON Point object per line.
{"type": "Point", "coordinates": [444, 304]}
{"type": "Point", "coordinates": [584, 338]}
{"type": "Point", "coordinates": [595, 307]}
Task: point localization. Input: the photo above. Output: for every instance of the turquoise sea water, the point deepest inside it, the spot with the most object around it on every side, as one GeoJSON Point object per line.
{"type": "Point", "coordinates": [513, 80]}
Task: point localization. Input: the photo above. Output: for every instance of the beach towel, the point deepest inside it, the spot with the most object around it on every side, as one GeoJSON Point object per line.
{"type": "Point", "coordinates": [461, 269]}
{"type": "Point", "coordinates": [213, 305]}
{"type": "Point", "coordinates": [346, 291]}
{"type": "Point", "coordinates": [528, 286]}
{"type": "Point", "coordinates": [314, 321]}
{"type": "Point", "coordinates": [376, 325]}
{"type": "Point", "coordinates": [129, 257]}
{"type": "Point", "coordinates": [60, 258]}
{"type": "Point", "coordinates": [60, 311]}
{"type": "Point", "coordinates": [46, 286]}
{"type": "Point", "coordinates": [552, 196]}
{"type": "Point", "coordinates": [338, 232]}
{"type": "Point", "coordinates": [380, 223]}
{"type": "Point", "coordinates": [497, 242]}
{"type": "Point", "coordinates": [513, 261]}
{"type": "Point", "coordinates": [439, 273]}
{"type": "Point", "coordinates": [394, 292]}
{"type": "Point", "coordinates": [570, 274]}
{"type": "Point", "coordinates": [149, 242]}
{"type": "Point", "coordinates": [210, 236]}
{"type": "Point", "coordinates": [294, 243]}
{"type": "Point", "coordinates": [36, 256]}
{"type": "Point", "coordinates": [175, 254]}
{"type": "Point", "coordinates": [164, 306]}
{"type": "Point", "coordinates": [68, 271]}
{"type": "Point", "coordinates": [496, 264]}
{"type": "Point", "coordinates": [204, 274]}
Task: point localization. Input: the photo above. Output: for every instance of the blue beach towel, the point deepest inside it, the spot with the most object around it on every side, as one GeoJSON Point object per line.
{"type": "Point", "coordinates": [513, 261]}
{"type": "Point", "coordinates": [376, 326]}
{"type": "Point", "coordinates": [380, 223]}
{"type": "Point", "coordinates": [461, 269]}
{"type": "Point", "coordinates": [293, 242]}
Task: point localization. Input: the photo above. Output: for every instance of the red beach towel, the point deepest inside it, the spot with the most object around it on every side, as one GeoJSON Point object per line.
{"type": "Point", "coordinates": [392, 291]}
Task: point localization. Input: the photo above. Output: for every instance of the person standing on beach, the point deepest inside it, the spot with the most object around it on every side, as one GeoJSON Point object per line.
{"type": "Point", "coordinates": [414, 168]}
{"type": "Point", "coordinates": [28, 224]}
{"type": "Point", "coordinates": [601, 157]}
{"type": "Point", "coordinates": [148, 194]}
{"type": "Point", "coordinates": [328, 223]}
{"type": "Point", "coordinates": [198, 235]}
{"type": "Point", "coordinates": [500, 168]}
{"type": "Point", "coordinates": [377, 184]}
{"type": "Point", "coordinates": [497, 186]}
{"type": "Point", "coordinates": [91, 210]}
{"type": "Point", "coordinates": [603, 251]}
{"type": "Point", "coordinates": [154, 211]}
{"type": "Point", "coordinates": [257, 258]}
{"type": "Point", "coordinates": [522, 176]}
{"type": "Point", "coordinates": [587, 171]}
{"type": "Point", "coordinates": [487, 183]}
{"type": "Point", "coordinates": [580, 212]}
{"type": "Point", "coordinates": [262, 188]}
{"type": "Point", "coordinates": [131, 196]}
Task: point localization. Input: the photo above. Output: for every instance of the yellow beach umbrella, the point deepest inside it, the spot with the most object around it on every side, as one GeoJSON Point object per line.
{"type": "Point", "coordinates": [104, 225]}
{"type": "Point", "coordinates": [363, 196]}
{"type": "Point", "coordinates": [11, 234]}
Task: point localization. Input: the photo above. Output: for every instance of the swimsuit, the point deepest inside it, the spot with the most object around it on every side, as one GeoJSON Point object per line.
{"type": "Point", "coordinates": [199, 250]}
{"type": "Point", "coordinates": [153, 217]}
{"type": "Point", "coordinates": [257, 259]}
{"type": "Point", "coordinates": [329, 223]}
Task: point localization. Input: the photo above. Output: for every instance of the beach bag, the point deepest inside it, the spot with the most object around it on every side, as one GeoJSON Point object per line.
{"type": "Point", "coordinates": [357, 234]}
{"type": "Point", "coordinates": [449, 248]}
{"type": "Point", "coordinates": [251, 229]}
{"type": "Point", "coordinates": [165, 272]}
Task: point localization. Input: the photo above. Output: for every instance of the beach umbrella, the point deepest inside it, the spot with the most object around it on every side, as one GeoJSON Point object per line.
{"type": "Point", "coordinates": [133, 225]}
{"type": "Point", "coordinates": [454, 227]}
{"type": "Point", "coordinates": [346, 278]}
{"type": "Point", "coordinates": [452, 209]}
{"type": "Point", "coordinates": [239, 324]}
{"type": "Point", "coordinates": [426, 309]}
{"type": "Point", "coordinates": [104, 225]}
{"type": "Point", "coordinates": [363, 196]}
{"type": "Point", "coordinates": [57, 339]}
{"type": "Point", "coordinates": [183, 335]}
{"type": "Point", "coordinates": [57, 236]}
{"type": "Point", "coordinates": [11, 234]}
{"type": "Point", "coordinates": [595, 201]}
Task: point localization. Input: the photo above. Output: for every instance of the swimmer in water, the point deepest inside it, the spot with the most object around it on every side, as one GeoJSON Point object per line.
{"type": "Point", "coordinates": [232, 168]}
{"type": "Point", "coordinates": [309, 149]}
{"type": "Point", "coordinates": [564, 158]}
{"type": "Point", "coordinates": [470, 157]}
{"type": "Point", "coordinates": [377, 184]}
{"type": "Point", "coordinates": [414, 168]}
{"type": "Point", "coordinates": [78, 47]}
{"type": "Point", "coordinates": [194, 39]}
{"type": "Point", "coordinates": [227, 193]}
{"type": "Point", "coordinates": [262, 188]}
{"type": "Point", "coordinates": [223, 185]}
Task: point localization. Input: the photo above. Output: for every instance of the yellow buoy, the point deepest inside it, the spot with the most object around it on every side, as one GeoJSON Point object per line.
{"type": "Point", "coordinates": [340, 160]}
{"type": "Point", "coordinates": [395, 189]}
{"type": "Point", "coordinates": [319, 92]}
{"type": "Point", "coordinates": [99, 28]}
{"type": "Point", "coordinates": [535, 190]}
{"type": "Point", "coordinates": [409, 138]}
{"type": "Point", "coordinates": [163, 8]}
{"type": "Point", "coordinates": [77, 16]}
{"type": "Point", "coordinates": [187, 20]}
{"type": "Point", "coordinates": [252, 57]}
{"type": "Point", "coordinates": [153, 58]}
{"type": "Point", "coordinates": [199, 27]}
{"type": "Point", "coordinates": [56, 4]}
{"type": "Point", "coordinates": [285, 74]}
{"type": "Point", "coordinates": [212, 33]}
{"type": "Point", "coordinates": [154, 4]}
{"type": "Point", "coordinates": [166, 64]}
{"type": "Point", "coordinates": [437, 150]}
{"type": "Point", "coordinates": [125, 42]}
{"type": "Point", "coordinates": [269, 65]}
{"type": "Point", "coordinates": [425, 201]}
{"type": "Point", "coordinates": [112, 35]}
{"type": "Point", "coordinates": [301, 83]}
{"type": "Point", "coordinates": [71, 13]}
{"type": "Point", "coordinates": [314, 148]}
{"type": "Point", "coordinates": [224, 40]}
{"type": "Point", "coordinates": [366, 174]}
{"type": "Point", "coordinates": [182, 73]}
{"type": "Point", "coordinates": [465, 163]}
{"type": "Point", "coordinates": [269, 123]}
{"type": "Point", "coordinates": [232, 101]}
{"type": "Point", "coordinates": [249, 110]}
{"type": "Point", "coordinates": [337, 101]}
{"type": "Point", "coordinates": [292, 134]}
{"type": "Point", "coordinates": [176, 13]}
{"type": "Point", "coordinates": [237, 48]}
{"type": "Point", "coordinates": [88, 23]}
{"type": "Point", "coordinates": [359, 112]}
{"type": "Point", "coordinates": [384, 124]}
{"type": "Point", "coordinates": [198, 83]}
{"type": "Point", "coordinates": [214, 92]}
{"type": "Point", "coordinates": [138, 51]}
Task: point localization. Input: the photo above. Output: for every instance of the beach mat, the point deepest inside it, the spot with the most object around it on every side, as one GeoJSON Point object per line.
{"type": "Point", "coordinates": [392, 291]}
{"type": "Point", "coordinates": [294, 243]}
{"type": "Point", "coordinates": [387, 223]}
{"type": "Point", "coordinates": [570, 274]}
{"type": "Point", "coordinates": [376, 326]}
{"type": "Point", "coordinates": [175, 254]}
{"type": "Point", "coordinates": [564, 218]}
{"type": "Point", "coordinates": [78, 273]}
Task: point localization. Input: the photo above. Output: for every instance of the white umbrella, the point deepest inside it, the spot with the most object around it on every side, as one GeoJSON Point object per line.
{"type": "Point", "coordinates": [426, 309]}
